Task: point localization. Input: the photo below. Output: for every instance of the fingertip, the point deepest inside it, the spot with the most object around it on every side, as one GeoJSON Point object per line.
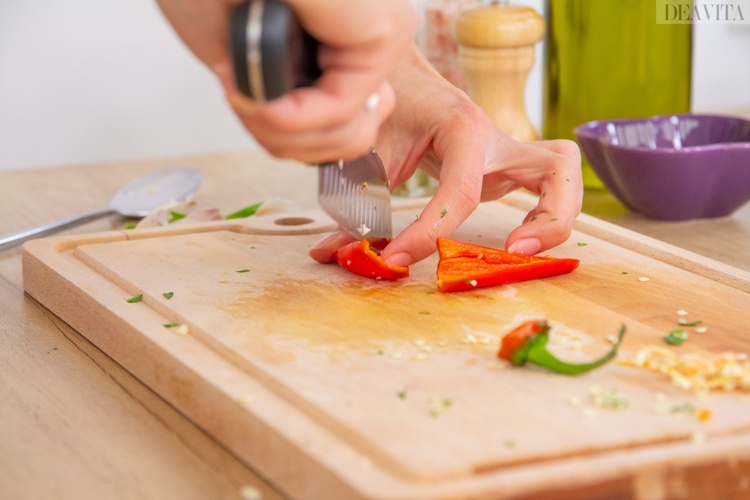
{"type": "Point", "coordinates": [526, 246]}
{"type": "Point", "coordinates": [400, 259]}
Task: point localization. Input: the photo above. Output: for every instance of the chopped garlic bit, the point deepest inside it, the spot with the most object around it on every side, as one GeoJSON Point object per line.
{"type": "Point", "coordinates": [181, 330]}
{"type": "Point", "coordinates": [701, 329]}
{"type": "Point", "coordinates": [609, 399]}
{"type": "Point", "coordinates": [250, 493]}
{"type": "Point", "coordinates": [469, 339]}
{"type": "Point", "coordinates": [363, 229]}
{"type": "Point", "coordinates": [682, 312]}
{"type": "Point", "coordinates": [644, 279]}
{"type": "Point", "coordinates": [473, 282]}
{"type": "Point", "coordinates": [439, 406]}
{"type": "Point", "coordinates": [700, 373]}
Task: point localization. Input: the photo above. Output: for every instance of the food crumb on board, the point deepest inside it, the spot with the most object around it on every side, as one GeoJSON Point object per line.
{"type": "Point", "coordinates": [250, 493]}
{"type": "Point", "coordinates": [700, 373]}
{"type": "Point", "coordinates": [643, 279]}
{"type": "Point", "coordinates": [181, 330]}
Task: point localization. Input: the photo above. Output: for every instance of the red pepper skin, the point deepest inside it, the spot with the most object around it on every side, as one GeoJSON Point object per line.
{"type": "Point", "coordinates": [465, 266]}
{"type": "Point", "coordinates": [361, 258]}
{"type": "Point", "coordinates": [516, 338]}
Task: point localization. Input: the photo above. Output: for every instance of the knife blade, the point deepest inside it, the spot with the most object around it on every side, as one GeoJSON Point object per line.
{"type": "Point", "coordinates": [273, 54]}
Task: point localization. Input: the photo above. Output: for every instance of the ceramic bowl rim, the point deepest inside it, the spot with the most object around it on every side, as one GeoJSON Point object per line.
{"type": "Point", "coordinates": [586, 130]}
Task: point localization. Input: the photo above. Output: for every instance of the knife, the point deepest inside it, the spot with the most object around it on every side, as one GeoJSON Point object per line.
{"type": "Point", "coordinates": [271, 55]}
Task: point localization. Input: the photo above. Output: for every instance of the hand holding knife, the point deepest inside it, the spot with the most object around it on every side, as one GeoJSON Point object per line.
{"type": "Point", "coordinates": [272, 55]}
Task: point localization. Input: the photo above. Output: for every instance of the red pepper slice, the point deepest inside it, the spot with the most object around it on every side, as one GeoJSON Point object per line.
{"type": "Point", "coordinates": [362, 257]}
{"type": "Point", "coordinates": [464, 266]}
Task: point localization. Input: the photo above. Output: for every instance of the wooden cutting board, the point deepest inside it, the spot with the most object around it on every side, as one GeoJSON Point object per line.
{"type": "Point", "coordinates": [336, 386]}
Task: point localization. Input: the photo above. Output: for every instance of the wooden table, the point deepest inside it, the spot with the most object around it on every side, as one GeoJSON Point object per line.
{"type": "Point", "coordinates": [76, 425]}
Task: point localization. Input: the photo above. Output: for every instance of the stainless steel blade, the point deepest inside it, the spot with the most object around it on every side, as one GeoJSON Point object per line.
{"type": "Point", "coordinates": [356, 195]}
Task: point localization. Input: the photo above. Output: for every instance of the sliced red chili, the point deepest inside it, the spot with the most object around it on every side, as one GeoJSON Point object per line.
{"type": "Point", "coordinates": [363, 258]}
{"type": "Point", "coordinates": [464, 266]}
{"type": "Point", "coordinates": [516, 338]}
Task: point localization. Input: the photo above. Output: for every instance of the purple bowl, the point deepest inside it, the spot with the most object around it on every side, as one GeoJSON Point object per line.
{"type": "Point", "coordinates": [672, 167]}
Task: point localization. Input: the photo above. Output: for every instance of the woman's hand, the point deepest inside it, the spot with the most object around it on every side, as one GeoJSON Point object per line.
{"type": "Point", "coordinates": [361, 42]}
{"type": "Point", "coordinates": [438, 128]}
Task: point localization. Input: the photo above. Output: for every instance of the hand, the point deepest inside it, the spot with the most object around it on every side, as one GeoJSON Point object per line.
{"type": "Point", "coordinates": [361, 42]}
{"type": "Point", "coordinates": [438, 128]}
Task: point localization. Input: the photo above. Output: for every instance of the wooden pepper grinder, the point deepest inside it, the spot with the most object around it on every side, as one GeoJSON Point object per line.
{"type": "Point", "coordinates": [496, 53]}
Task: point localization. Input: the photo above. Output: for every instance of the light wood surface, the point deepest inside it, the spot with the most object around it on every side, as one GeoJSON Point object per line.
{"type": "Point", "coordinates": [77, 425]}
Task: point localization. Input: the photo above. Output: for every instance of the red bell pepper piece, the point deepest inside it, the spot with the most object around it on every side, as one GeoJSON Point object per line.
{"type": "Point", "coordinates": [363, 258]}
{"type": "Point", "coordinates": [464, 266]}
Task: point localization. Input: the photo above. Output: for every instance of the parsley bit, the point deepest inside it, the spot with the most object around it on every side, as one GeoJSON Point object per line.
{"type": "Point", "coordinates": [582, 244]}
{"type": "Point", "coordinates": [403, 393]}
{"type": "Point", "coordinates": [168, 295]}
{"type": "Point", "coordinates": [443, 212]}
{"type": "Point", "coordinates": [533, 218]}
{"type": "Point", "coordinates": [676, 337]}
{"type": "Point", "coordinates": [553, 219]}
{"type": "Point", "coordinates": [170, 325]}
{"type": "Point", "coordinates": [243, 271]}
{"type": "Point", "coordinates": [135, 298]}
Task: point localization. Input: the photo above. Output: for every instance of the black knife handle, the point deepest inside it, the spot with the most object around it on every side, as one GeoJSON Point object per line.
{"type": "Point", "coordinates": [271, 52]}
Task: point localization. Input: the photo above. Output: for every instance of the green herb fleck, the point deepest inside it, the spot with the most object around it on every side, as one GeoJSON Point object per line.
{"type": "Point", "coordinates": [403, 393]}
{"type": "Point", "coordinates": [379, 352]}
{"type": "Point", "coordinates": [135, 298]}
{"type": "Point", "coordinates": [582, 244]}
{"type": "Point", "coordinates": [424, 312]}
{"type": "Point", "coordinates": [624, 272]}
{"type": "Point", "coordinates": [609, 399]}
{"type": "Point", "coordinates": [244, 212]}
{"type": "Point", "coordinates": [443, 212]}
{"type": "Point", "coordinates": [175, 216]}
{"type": "Point", "coordinates": [684, 322]}
{"type": "Point", "coordinates": [439, 406]}
{"type": "Point", "coordinates": [553, 219]}
{"type": "Point", "coordinates": [130, 225]}
{"type": "Point", "coordinates": [168, 295]}
{"type": "Point", "coordinates": [243, 271]}
{"type": "Point", "coordinates": [676, 337]}
{"type": "Point", "coordinates": [170, 325]}
{"type": "Point", "coordinates": [533, 218]}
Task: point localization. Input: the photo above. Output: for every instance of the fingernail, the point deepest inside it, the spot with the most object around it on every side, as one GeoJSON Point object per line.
{"type": "Point", "coordinates": [527, 246]}
{"type": "Point", "coordinates": [398, 260]}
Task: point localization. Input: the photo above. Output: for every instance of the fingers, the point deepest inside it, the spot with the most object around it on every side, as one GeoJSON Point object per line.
{"type": "Point", "coordinates": [324, 249]}
{"type": "Point", "coordinates": [360, 43]}
{"type": "Point", "coordinates": [312, 125]}
{"type": "Point", "coordinates": [456, 198]}
{"type": "Point", "coordinates": [558, 183]}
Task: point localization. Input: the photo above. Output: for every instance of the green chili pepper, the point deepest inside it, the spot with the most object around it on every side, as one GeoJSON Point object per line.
{"type": "Point", "coordinates": [528, 344]}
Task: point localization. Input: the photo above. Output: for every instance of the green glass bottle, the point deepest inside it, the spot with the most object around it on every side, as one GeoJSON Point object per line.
{"type": "Point", "coordinates": [609, 59]}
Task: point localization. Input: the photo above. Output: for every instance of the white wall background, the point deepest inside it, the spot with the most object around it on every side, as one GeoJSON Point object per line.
{"type": "Point", "coordinates": [85, 81]}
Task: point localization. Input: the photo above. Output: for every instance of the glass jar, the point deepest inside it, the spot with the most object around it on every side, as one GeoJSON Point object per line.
{"type": "Point", "coordinates": [610, 59]}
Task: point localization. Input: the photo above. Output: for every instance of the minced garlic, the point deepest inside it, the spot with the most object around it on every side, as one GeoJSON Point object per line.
{"type": "Point", "coordinates": [697, 372]}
